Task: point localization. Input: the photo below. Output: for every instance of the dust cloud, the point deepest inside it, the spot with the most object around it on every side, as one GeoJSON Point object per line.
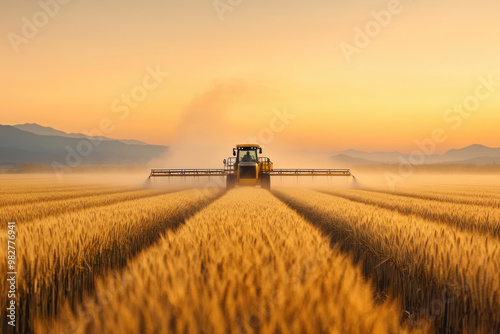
{"type": "Point", "coordinates": [204, 137]}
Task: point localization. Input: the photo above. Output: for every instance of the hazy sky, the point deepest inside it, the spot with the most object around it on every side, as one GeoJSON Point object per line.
{"type": "Point", "coordinates": [230, 69]}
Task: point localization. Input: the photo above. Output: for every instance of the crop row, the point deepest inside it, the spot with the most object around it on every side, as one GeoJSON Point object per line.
{"type": "Point", "coordinates": [60, 257]}
{"type": "Point", "coordinates": [439, 272]}
{"type": "Point", "coordinates": [470, 198]}
{"type": "Point", "coordinates": [246, 263]}
{"type": "Point", "coordinates": [29, 212]}
{"type": "Point", "coordinates": [11, 199]}
{"type": "Point", "coordinates": [475, 218]}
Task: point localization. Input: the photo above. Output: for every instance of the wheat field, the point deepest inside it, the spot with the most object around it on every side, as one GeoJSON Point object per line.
{"type": "Point", "coordinates": [95, 258]}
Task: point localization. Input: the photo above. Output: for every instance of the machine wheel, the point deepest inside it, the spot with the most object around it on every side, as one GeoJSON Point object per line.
{"type": "Point", "coordinates": [230, 181]}
{"type": "Point", "coordinates": [265, 181]}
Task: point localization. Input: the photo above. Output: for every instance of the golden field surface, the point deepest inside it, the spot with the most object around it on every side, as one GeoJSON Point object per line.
{"type": "Point", "coordinates": [108, 258]}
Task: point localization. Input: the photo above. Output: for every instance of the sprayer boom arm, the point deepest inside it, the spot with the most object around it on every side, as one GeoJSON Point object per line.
{"type": "Point", "coordinates": [274, 172]}
{"type": "Point", "coordinates": [187, 172]}
{"type": "Point", "coordinates": [310, 172]}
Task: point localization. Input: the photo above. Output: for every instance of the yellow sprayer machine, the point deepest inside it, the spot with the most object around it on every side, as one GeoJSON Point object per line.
{"type": "Point", "coordinates": [247, 168]}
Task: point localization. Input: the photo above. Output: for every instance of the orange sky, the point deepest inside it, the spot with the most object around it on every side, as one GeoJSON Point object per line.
{"type": "Point", "coordinates": [264, 55]}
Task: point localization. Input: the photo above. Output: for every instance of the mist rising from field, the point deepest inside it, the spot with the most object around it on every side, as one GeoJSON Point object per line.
{"type": "Point", "coordinates": [365, 177]}
{"type": "Point", "coordinates": [379, 180]}
{"type": "Point", "coordinates": [138, 178]}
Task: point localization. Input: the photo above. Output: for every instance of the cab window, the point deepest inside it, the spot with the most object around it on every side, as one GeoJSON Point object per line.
{"type": "Point", "coordinates": [247, 155]}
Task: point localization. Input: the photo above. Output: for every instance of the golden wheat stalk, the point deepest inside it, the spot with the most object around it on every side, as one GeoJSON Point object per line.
{"type": "Point", "coordinates": [246, 263]}
{"type": "Point", "coordinates": [425, 263]}
{"type": "Point", "coordinates": [475, 218]}
{"type": "Point", "coordinates": [42, 209]}
{"type": "Point", "coordinates": [58, 258]}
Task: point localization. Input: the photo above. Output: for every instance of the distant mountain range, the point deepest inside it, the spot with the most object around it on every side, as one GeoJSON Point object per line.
{"type": "Point", "coordinates": [48, 131]}
{"type": "Point", "coordinates": [474, 154]}
{"type": "Point", "coordinates": [36, 144]}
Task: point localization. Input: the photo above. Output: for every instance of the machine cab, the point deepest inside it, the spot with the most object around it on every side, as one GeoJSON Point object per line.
{"type": "Point", "coordinates": [247, 153]}
{"type": "Point", "coordinates": [247, 162]}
